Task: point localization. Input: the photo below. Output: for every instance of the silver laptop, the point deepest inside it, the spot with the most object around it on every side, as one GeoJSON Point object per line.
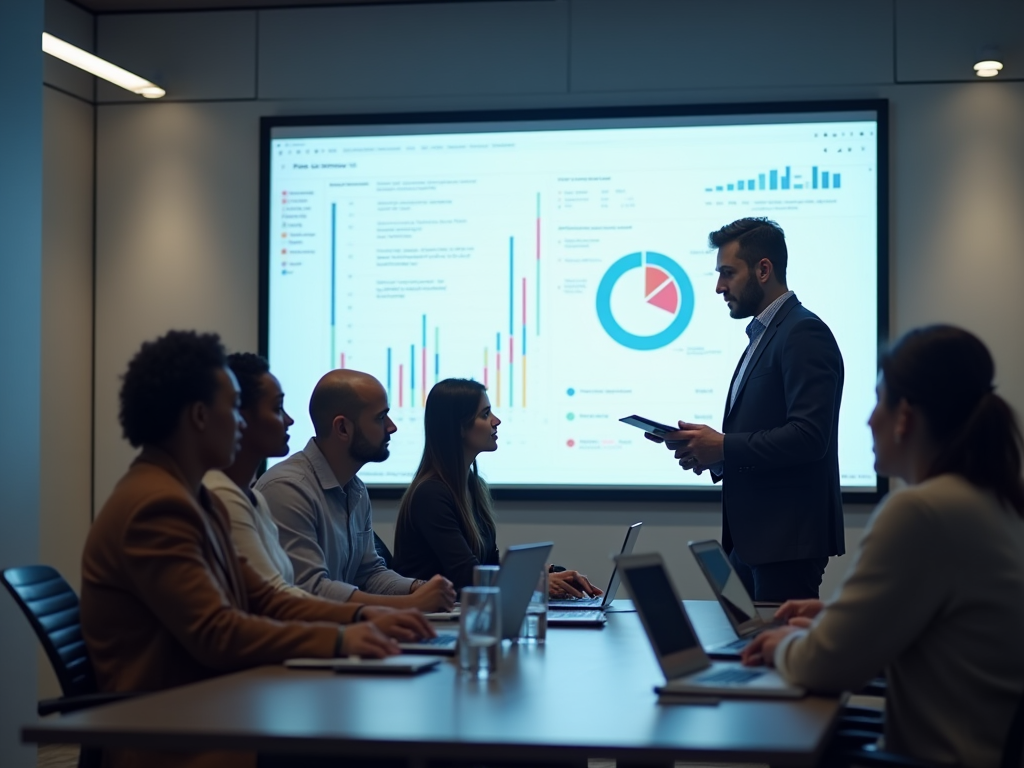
{"type": "Point", "coordinates": [393, 665]}
{"type": "Point", "coordinates": [687, 669]}
{"type": "Point", "coordinates": [520, 569]}
{"type": "Point", "coordinates": [736, 602]}
{"type": "Point", "coordinates": [589, 611]}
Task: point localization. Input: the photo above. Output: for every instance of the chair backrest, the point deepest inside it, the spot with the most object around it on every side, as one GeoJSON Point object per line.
{"type": "Point", "coordinates": [51, 607]}
{"type": "Point", "coordinates": [1013, 749]}
{"type": "Point", "coordinates": [382, 549]}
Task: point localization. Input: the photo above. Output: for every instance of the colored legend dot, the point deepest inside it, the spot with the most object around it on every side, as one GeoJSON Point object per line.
{"type": "Point", "coordinates": [570, 391]}
{"type": "Point", "coordinates": [570, 416]}
{"type": "Point", "coordinates": [570, 443]}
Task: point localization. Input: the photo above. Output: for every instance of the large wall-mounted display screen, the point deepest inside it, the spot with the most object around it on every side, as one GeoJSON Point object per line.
{"type": "Point", "coordinates": [562, 260]}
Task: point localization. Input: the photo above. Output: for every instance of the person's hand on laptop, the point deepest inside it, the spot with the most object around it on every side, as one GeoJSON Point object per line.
{"type": "Point", "coordinates": [407, 624]}
{"type": "Point", "coordinates": [571, 584]}
{"type": "Point", "coordinates": [798, 613]}
{"type": "Point", "coordinates": [366, 639]}
{"type": "Point", "coordinates": [436, 594]}
{"type": "Point", "coordinates": [761, 650]}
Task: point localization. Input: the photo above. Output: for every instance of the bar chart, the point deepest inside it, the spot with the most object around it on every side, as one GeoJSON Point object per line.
{"type": "Point", "coordinates": [781, 179]}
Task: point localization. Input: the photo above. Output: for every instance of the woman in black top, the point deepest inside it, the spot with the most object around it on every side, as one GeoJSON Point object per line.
{"type": "Point", "coordinates": [446, 520]}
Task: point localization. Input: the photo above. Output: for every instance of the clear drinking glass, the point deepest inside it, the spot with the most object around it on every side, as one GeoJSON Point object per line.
{"type": "Point", "coordinates": [486, 575]}
{"type": "Point", "coordinates": [480, 631]}
{"type": "Point", "coordinates": [535, 622]}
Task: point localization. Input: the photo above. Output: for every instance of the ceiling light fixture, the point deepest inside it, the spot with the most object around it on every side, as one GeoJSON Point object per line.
{"type": "Point", "coordinates": [988, 64]}
{"type": "Point", "coordinates": [100, 67]}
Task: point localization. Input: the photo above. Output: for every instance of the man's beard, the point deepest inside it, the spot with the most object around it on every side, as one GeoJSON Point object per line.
{"type": "Point", "coordinates": [366, 452]}
{"type": "Point", "coordinates": [749, 300]}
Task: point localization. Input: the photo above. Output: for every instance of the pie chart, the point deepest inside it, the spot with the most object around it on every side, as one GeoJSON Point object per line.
{"type": "Point", "coordinates": [645, 301]}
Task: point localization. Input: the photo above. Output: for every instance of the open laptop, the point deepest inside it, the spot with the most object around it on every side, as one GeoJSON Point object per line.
{"type": "Point", "coordinates": [687, 669]}
{"type": "Point", "coordinates": [736, 602]}
{"type": "Point", "coordinates": [520, 569]}
{"type": "Point", "coordinates": [589, 611]}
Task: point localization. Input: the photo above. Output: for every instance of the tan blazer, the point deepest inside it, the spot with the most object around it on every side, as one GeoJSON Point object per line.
{"type": "Point", "coordinates": [167, 601]}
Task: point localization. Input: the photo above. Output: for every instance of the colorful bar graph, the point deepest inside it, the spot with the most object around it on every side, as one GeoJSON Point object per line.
{"type": "Point", "coordinates": [522, 352]}
{"type": "Point", "coordinates": [423, 365]}
{"type": "Point", "coordinates": [497, 366]}
{"type": "Point", "coordinates": [334, 270]}
{"type": "Point", "coordinates": [511, 320]}
{"type": "Point", "coordinates": [486, 366]}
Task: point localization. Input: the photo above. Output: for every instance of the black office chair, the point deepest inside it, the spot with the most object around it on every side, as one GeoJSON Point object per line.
{"type": "Point", "coordinates": [859, 751]}
{"type": "Point", "coordinates": [382, 550]}
{"type": "Point", "coordinates": [51, 607]}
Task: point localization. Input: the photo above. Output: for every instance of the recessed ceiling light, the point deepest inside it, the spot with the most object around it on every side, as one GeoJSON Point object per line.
{"type": "Point", "coordinates": [989, 62]}
{"type": "Point", "coordinates": [100, 67]}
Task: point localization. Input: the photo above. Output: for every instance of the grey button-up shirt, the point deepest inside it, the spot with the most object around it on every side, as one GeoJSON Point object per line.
{"type": "Point", "coordinates": [326, 528]}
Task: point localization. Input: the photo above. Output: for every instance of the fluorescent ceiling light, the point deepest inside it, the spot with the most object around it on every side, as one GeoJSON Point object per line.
{"type": "Point", "coordinates": [100, 67]}
{"type": "Point", "coordinates": [988, 68]}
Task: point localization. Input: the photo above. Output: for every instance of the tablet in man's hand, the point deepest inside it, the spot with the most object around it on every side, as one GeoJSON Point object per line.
{"type": "Point", "coordinates": [648, 425]}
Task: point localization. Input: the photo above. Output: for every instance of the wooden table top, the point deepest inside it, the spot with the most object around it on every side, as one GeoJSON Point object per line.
{"type": "Point", "coordinates": [585, 693]}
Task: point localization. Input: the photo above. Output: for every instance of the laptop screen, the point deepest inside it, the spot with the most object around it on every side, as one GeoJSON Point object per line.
{"type": "Point", "coordinates": [653, 595]}
{"type": "Point", "coordinates": [726, 582]}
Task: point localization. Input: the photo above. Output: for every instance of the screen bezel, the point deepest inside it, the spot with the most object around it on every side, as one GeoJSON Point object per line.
{"type": "Point", "coordinates": [755, 622]}
{"type": "Point", "coordinates": [596, 493]}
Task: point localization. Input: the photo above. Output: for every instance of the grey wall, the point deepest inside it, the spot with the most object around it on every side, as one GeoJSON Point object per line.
{"type": "Point", "coordinates": [21, 204]}
{"type": "Point", "coordinates": [177, 196]}
{"type": "Point", "coordinates": [65, 426]}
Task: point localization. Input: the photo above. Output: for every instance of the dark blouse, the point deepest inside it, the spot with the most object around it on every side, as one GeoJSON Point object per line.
{"type": "Point", "coordinates": [432, 539]}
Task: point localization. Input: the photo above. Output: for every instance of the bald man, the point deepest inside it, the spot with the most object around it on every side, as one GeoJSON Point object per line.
{"type": "Point", "coordinates": [323, 511]}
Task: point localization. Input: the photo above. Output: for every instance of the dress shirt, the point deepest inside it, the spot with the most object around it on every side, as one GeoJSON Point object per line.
{"type": "Point", "coordinates": [935, 595]}
{"type": "Point", "coordinates": [327, 529]}
{"type": "Point", "coordinates": [755, 330]}
{"type": "Point", "coordinates": [254, 532]}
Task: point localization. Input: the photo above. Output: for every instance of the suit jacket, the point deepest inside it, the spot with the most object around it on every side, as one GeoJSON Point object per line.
{"type": "Point", "coordinates": [781, 493]}
{"type": "Point", "coordinates": [167, 601]}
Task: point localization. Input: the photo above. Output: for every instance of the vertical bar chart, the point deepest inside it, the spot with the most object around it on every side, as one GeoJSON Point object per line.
{"type": "Point", "coordinates": [522, 352]}
{"type": "Point", "coordinates": [497, 365]}
{"type": "Point", "coordinates": [423, 365]}
{"type": "Point", "coordinates": [389, 375]}
{"type": "Point", "coordinates": [782, 180]}
{"type": "Point", "coordinates": [412, 375]}
{"type": "Point", "coordinates": [334, 278]}
{"type": "Point", "coordinates": [511, 320]}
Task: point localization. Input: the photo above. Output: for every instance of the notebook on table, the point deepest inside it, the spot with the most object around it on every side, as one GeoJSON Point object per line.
{"type": "Point", "coordinates": [686, 667]}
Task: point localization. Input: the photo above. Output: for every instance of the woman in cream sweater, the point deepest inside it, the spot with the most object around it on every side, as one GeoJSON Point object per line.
{"type": "Point", "coordinates": [935, 594]}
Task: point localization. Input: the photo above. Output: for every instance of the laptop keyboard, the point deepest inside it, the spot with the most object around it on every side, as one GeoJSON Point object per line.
{"type": "Point", "coordinates": [729, 676]}
{"type": "Point", "coordinates": [562, 602]}
{"type": "Point", "coordinates": [577, 615]}
{"type": "Point", "coordinates": [440, 640]}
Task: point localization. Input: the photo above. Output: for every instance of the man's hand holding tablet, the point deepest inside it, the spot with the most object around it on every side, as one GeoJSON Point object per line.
{"type": "Point", "coordinates": [696, 446]}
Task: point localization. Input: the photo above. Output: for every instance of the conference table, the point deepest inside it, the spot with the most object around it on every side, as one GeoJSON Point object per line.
{"type": "Point", "coordinates": [585, 693]}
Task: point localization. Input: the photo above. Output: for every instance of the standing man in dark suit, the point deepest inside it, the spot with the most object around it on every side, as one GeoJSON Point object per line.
{"type": "Point", "coordinates": [778, 460]}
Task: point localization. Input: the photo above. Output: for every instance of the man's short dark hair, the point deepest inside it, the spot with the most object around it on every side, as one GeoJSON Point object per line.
{"type": "Point", "coordinates": [166, 375]}
{"type": "Point", "coordinates": [759, 238]}
{"type": "Point", "coordinates": [248, 369]}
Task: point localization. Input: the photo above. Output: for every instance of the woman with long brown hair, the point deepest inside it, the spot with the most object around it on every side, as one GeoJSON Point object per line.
{"type": "Point", "coordinates": [446, 520]}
